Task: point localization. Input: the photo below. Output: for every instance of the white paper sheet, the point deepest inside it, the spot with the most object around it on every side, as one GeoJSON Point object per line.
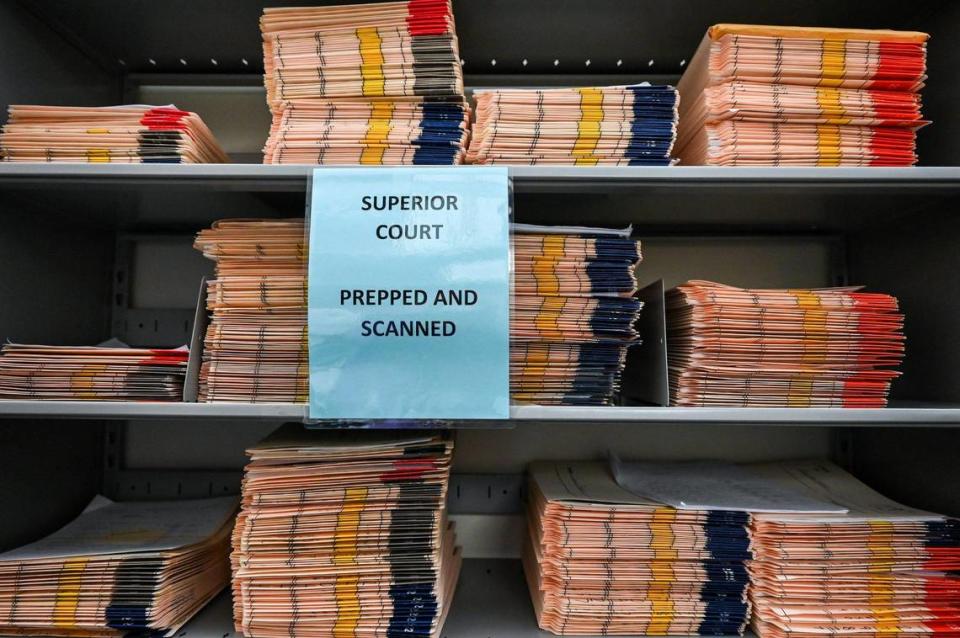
{"type": "Point", "coordinates": [715, 485]}
{"type": "Point", "coordinates": [133, 527]}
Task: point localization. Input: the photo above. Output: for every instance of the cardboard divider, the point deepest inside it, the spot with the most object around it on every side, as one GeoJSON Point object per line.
{"type": "Point", "coordinates": [191, 385]}
{"type": "Point", "coordinates": [645, 379]}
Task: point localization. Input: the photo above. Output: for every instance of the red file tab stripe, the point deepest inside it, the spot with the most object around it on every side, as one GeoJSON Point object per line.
{"type": "Point", "coordinates": [164, 119]}
{"type": "Point", "coordinates": [408, 470]}
{"type": "Point", "coordinates": [428, 17]}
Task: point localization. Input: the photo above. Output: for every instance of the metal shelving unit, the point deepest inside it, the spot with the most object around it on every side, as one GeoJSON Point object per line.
{"type": "Point", "coordinates": [906, 415]}
{"type": "Point", "coordinates": [93, 251]}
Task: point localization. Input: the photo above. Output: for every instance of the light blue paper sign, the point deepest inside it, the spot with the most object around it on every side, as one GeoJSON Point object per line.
{"type": "Point", "coordinates": [409, 293]}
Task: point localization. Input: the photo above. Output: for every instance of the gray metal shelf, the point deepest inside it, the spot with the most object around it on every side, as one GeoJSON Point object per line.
{"type": "Point", "coordinates": [261, 177]}
{"type": "Point", "coordinates": [691, 199]}
{"type": "Point", "coordinates": [491, 601]}
{"type": "Point", "coordinates": [900, 415]}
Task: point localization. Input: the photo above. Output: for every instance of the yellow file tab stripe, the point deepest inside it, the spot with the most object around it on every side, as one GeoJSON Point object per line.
{"type": "Point", "coordinates": [588, 126]}
{"type": "Point", "coordinates": [549, 316]}
{"type": "Point", "coordinates": [662, 571]}
{"type": "Point", "coordinates": [814, 329]}
{"type": "Point", "coordinates": [545, 268]}
{"type": "Point", "coordinates": [881, 592]}
{"type": "Point", "coordinates": [371, 61]}
{"type": "Point", "coordinates": [82, 384]}
{"type": "Point", "coordinates": [98, 156]}
{"type": "Point", "coordinates": [833, 62]}
{"type": "Point", "coordinates": [378, 129]}
{"type": "Point", "coordinates": [881, 535]}
{"type": "Point", "coordinates": [828, 145]}
{"type": "Point", "coordinates": [68, 593]}
{"type": "Point", "coordinates": [545, 272]}
{"type": "Point", "coordinates": [828, 100]}
{"type": "Point", "coordinates": [345, 553]}
{"type": "Point", "coordinates": [348, 522]}
{"type": "Point", "coordinates": [814, 324]}
{"type": "Point", "coordinates": [348, 606]}
{"type": "Point", "coordinates": [554, 245]}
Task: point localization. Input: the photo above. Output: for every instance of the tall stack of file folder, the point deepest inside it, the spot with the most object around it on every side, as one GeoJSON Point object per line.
{"type": "Point", "coordinates": [611, 125]}
{"type": "Point", "coordinates": [344, 534]}
{"type": "Point", "coordinates": [255, 348]}
{"type": "Point", "coordinates": [879, 569]}
{"type": "Point", "coordinates": [377, 83]}
{"type": "Point", "coordinates": [573, 313]}
{"type": "Point", "coordinates": [601, 560]}
{"type": "Point", "coordinates": [107, 135]}
{"type": "Point", "coordinates": [799, 96]}
{"type": "Point", "coordinates": [91, 373]}
{"type": "Point", "coordinates": [119, 569]}
{"type": "Point", "coordinates": [830, 347]}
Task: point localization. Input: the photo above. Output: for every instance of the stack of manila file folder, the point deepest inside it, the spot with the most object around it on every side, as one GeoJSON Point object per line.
{"type": "Point", "coordinates": [667, 548]}
{"type": "Point", "coordinates": [633, 125]}
{"type": "Point", "coordinates": [798, 348]}
{"type": "Point", "coordinates": [131, 134]}
{"type": "Point", "coordinates": [255, 347]}
{"type": "Point", "coordinates": [344, 533]}
{"type": "Point", "coordinates": [110, 372]}
{"type": "Point", "coordinates": [758, 95]}
{"type": "Point", "coordinates": [600, 560]}
{"type": "Point", "coordinates": [573, 312]}
{"type": "Point", "coordinates": [119, 569]}
{"type": "Point", "coordinates": [376, 83]}
{"type": "Point", "coordinates": [879, 569]}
